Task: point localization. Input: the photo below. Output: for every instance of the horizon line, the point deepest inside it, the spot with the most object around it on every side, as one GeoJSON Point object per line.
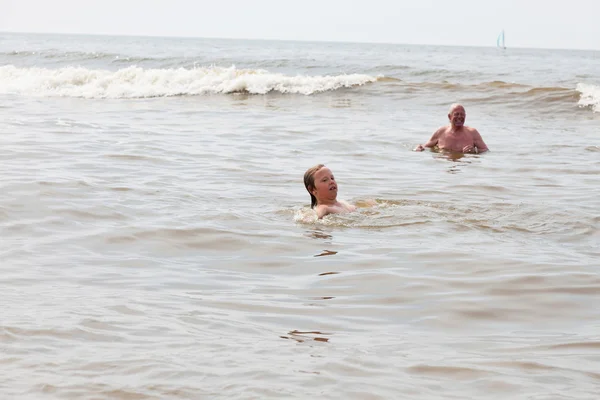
{"type": "Point", "coordinates": [289, 40]}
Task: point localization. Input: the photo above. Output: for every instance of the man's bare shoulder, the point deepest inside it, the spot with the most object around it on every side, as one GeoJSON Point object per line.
{"type": "Point", "coordinates": [441, 130]}
{"type": "Point", "coordinates": [474, 132]}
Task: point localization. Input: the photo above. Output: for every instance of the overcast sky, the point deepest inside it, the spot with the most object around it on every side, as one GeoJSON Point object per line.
{"type": "Point", "coordinates": [571, 24]}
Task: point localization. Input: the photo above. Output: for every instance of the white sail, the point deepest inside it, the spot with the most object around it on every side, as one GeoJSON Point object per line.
{"type": "Point", "coordinates": [500, 40]}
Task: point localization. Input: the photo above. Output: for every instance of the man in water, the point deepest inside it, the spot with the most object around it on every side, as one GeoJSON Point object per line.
{"type": "Point", "coordinates": [456, 137]}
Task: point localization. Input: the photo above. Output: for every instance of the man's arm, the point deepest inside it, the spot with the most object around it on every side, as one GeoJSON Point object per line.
{"type": "Point", "coordinates": [432, 141]}
{"type": "Point", "coordinates": [479, 143]}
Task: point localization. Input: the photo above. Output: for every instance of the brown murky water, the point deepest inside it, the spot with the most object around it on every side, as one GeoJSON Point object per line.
{"type": "Point", "coordinates": [163, 248]}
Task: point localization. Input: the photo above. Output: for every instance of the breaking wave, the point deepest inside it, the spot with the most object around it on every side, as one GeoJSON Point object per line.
{"type": "Point", "coordinates": [590, 96]}
{"type": "Point", "coordinates": [137, 82]}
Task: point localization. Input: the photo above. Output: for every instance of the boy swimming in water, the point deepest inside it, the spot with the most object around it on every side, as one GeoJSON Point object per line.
{"type": "Point", "coordinates": [321, 186]}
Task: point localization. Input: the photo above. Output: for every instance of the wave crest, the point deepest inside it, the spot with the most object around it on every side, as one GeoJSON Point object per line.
{"type": "Point", "coordinates": [136, 82]}
{"type": "Point", "coordinates": [590, 96]}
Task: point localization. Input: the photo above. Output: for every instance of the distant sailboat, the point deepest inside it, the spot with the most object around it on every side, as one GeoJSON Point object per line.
{"type": "Point", "coordinates": [500, 40]}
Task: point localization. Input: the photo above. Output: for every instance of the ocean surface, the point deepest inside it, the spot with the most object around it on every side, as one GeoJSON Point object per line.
{"type": "Point", "coordinates": [156, 239]}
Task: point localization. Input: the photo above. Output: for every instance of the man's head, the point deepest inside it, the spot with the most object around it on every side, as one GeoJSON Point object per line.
{"type": "Point", "coordinates": [457, 115]}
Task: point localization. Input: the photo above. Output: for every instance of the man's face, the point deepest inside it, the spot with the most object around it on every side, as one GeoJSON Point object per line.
{"type": "Point", "coordinates": [457, 116]}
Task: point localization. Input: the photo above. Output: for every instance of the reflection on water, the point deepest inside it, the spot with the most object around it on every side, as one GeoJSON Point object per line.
{"type": "Point", "coordinates": [450, 155]}
{"type": "Point", "coordinates": [326, 253]}
{"type": "Point", "coordinates": [328, 273]}
{"type": "Point", "coordinates": [318, 233]}
{"type": "Point", "coordinates": [458, 159]}
{"type": "Point", "coordinates": [302, 336]}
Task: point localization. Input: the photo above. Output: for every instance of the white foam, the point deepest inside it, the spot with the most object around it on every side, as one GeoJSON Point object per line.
{"type": "Point", "coordinates": [135, 82]}
{"type": "Point", "coordinates": [306, 216]}
{"type": "Point", "coordinates": [590, 96]}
